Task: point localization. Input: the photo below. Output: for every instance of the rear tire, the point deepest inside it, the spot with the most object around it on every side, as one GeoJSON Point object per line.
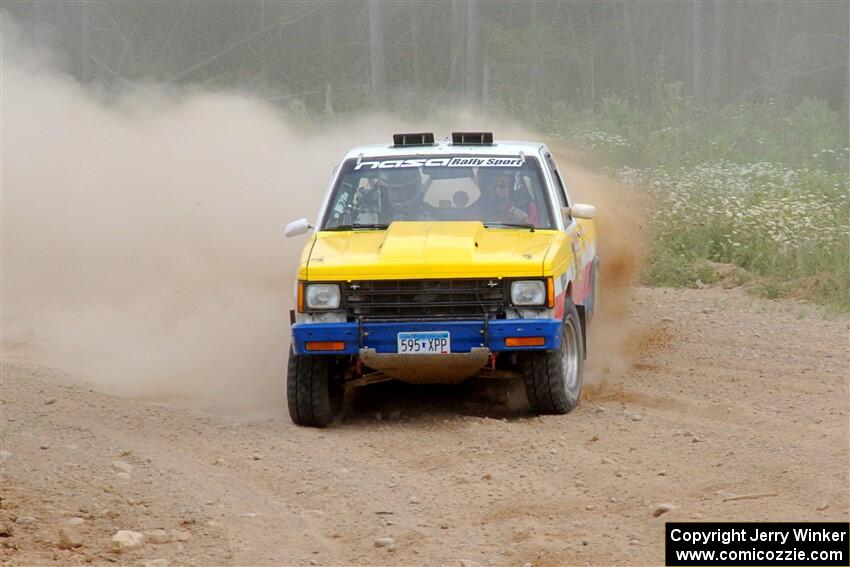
{"type": "Point", "coordinates": [553, 377]}
{"type": "Point", "coordinates": [313, 390]}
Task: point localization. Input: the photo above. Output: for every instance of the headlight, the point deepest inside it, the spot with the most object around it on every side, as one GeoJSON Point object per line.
{"type": "Point", "coordinates": [322, 296]}
{"type": "Point", "coordinates": [528, 292]}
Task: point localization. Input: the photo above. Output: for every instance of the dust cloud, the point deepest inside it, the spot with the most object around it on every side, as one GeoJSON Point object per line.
{"type": "Point", "coordinates": [622, 244]}
{"type": "Point", "coordinates": [142, 246]}
{"type": "Point", "coordinates": [142, 236]}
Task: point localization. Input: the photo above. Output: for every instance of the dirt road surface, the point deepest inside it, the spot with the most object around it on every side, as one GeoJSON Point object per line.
{"type": "Point", "coordinates": [725, 396]}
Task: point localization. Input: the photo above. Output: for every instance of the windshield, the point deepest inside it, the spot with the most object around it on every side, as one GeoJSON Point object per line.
{"type": "Point", "coordinates": [496, 190]}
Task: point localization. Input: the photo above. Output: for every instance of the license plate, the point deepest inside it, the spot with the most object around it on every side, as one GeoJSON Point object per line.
{"type": "Point", "coordinates": [435, 342]}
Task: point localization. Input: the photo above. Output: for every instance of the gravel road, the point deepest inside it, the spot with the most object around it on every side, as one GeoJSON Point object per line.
{"type": "Point", "coordinates": [721, 396]}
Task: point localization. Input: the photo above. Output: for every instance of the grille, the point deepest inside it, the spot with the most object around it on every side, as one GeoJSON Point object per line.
{"type": "Point", "coordinates": [425, 299]}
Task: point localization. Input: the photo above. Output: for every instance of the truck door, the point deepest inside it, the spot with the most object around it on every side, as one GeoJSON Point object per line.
{"type": "Point", "coordinates": [571, 226]}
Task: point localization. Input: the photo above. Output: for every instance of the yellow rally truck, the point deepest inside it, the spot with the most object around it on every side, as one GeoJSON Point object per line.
{"type": "Point", "coordinates": [434, 261]}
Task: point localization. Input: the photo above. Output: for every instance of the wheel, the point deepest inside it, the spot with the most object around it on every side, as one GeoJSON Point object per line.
{"type": "Point", "coordinates": [553, 377]}
{"type": "Point", "coordinates": [313, 390]}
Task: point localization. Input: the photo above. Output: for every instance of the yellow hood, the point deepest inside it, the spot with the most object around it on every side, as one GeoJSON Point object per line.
{"type": "Point", "coordinates": [428, 250]}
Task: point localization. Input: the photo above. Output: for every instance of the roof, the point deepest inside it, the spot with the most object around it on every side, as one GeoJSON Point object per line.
{"type": "Point", "coordinates": [445, 147]}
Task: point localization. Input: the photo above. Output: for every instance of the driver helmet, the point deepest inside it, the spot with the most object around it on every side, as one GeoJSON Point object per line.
{"type": "Point", "coordinates": [497, 184]}
{"type": "Point", "coordinates": [403, 187]}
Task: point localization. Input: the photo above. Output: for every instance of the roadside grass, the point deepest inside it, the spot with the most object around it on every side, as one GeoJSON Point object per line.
{"type": "Point", "coordinates": [789, 227]}
{"type": "Point", "coordinates": [750, 185]}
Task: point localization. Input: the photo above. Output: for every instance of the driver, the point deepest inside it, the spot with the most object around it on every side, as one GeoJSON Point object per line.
{"type": "Point", "coordinates": [496, 203]}
{"type": "Point", "coordinates": [404, 194]}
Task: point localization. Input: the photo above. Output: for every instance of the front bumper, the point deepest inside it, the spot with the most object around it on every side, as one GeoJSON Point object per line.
{"type": "Point", "coordinates": [465, 335]}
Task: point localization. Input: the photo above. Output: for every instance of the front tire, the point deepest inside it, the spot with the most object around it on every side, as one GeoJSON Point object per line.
{"type": "Point", "coordinates": [313, 390]}
{"type": "Point", "coordinates": [553, 377]}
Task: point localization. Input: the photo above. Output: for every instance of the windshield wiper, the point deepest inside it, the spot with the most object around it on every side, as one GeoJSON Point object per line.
{"type": "Point", "coordinates": [358, 226]}
{"type": "Point", "coordinates": [509, 225]}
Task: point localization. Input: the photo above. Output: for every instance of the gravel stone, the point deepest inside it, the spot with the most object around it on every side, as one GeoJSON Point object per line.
{"type": "Point", "coordinates": [662, 509]}
{"type": "Point", "coordinates": [69, 538]}
{"type": "Point", "coordinates": [157, 536]}
{"type": "Point", "coordinates": [122, 466]}
{"type": "Point", "coordinates": [126, 540]}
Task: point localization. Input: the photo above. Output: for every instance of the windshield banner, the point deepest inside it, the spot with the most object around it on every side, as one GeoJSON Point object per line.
{"type": "Point", "coordinates": [456, 161]}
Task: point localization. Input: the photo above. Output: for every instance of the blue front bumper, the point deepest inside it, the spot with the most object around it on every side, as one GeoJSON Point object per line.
{"type": "Point", "coordinates": [465, 335]}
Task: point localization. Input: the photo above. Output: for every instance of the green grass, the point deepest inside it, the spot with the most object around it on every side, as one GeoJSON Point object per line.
{"type": "Point", "coordinates": [750, 185]}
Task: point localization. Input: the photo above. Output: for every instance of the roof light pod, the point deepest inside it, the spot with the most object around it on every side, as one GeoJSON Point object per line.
{"type": "Point", "coordinates": [414, 139]}
{"type": "Point", "coordinates": [472, 138]}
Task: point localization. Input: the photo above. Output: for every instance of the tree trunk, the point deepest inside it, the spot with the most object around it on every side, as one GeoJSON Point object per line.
{"type": "Point", "coordinates": [737, 63]}
{"type": "Point", "coordinates": [329, 105]}
{"type": "Point", "coordinates": [631, 62]}
{"type": "Point", "coordinates": [847, 82]}
{"type": "Point", "coordinates": [485, 84]}
{"type": "Point", "coordinates": [376, 54]}
{"type": "Point", "coordinates": [84, 43]}
{"type": "Point", "coordinates": [473, 66]}
{"type": "Point", "coordinates": [719, 38]}
{"type": "Point", "coordinates": [579, 67]}
{"type": "Point", "coordinates": [534, 65]}
{"type": "Point", "coordinates": [458, 47]}
{"type": "Point", "coordinates": [697, 50]}
{"type": "Point", "coordinates": [591, 56]}
{"type": "Point", "coordinates": [415, 64]}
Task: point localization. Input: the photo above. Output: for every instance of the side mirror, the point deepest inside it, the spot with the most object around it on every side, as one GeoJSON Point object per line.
{"type": "Point", "coordinates": [297, 227]}
{"type": "Point", "coordinates": [581, 211]}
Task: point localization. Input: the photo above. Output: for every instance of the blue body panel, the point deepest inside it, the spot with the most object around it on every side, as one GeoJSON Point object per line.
{"type": "Point", "coordinates": [465, 335]}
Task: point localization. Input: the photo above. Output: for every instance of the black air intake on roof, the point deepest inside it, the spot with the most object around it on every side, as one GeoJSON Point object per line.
{"type": "Point", "coordinates": [472, 138]}
{"type": "Point", "coordinates": [414, 139]}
